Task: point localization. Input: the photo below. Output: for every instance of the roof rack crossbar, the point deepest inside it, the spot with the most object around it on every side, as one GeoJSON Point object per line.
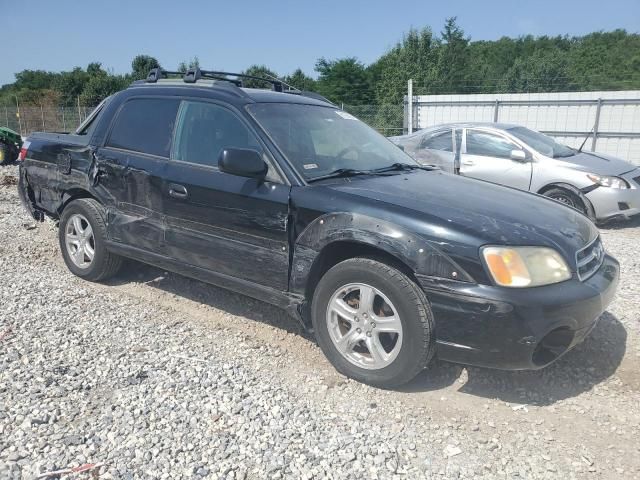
{"type": "Point", "coordinates": [276, 84]}
{"type": "Point", "coordinates": [194, 74]}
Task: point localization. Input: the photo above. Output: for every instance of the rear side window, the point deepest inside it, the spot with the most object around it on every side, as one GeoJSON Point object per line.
{"type": "Point", "coordinates": [440, 141]}
{"type": "Point", "coordinates": [145, 125]}
{"type": "Point", "coordinates": [205, 129]}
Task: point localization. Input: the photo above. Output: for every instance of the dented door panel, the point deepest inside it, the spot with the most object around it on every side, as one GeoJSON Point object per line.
{"type": "Point", "coordinates": [228, 224]}
{"type": "Point", "coordinates": [132, 183]}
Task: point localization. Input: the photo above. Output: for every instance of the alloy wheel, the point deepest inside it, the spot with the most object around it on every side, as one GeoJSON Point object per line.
{"type": "Point", "coordinates": [80, 241]}
{"type": "Point", "coordinates": [364, 326]}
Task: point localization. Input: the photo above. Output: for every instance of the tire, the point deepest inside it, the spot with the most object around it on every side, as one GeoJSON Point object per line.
{"type": "Point", "coordinates": [79, 238]}
{"type": "Point", "coordinates": [568, 198]}
{"type": "Point", "coordinates": [406, 352]}
{"type": "Point", "coordinates": [5, 154]}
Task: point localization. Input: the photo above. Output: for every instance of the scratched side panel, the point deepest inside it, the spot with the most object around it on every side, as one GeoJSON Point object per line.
{"type": "Point", "coordinates": [132, 185]}
{"type": "Point", "coordinates": [228, 224]}
{"type": "Point", "coordinates": [54, 163]}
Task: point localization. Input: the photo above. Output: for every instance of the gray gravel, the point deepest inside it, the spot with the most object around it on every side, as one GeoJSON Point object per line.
{"type": "Point", "coordinates": [158, 376]}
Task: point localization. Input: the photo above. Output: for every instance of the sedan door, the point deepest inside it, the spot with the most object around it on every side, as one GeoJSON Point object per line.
{"type": "Point", "coordinates": [436, 148]}
{"type": "Point", "coordinates": [489, 156]}
{"type": "Point", "coordinates": [227, 224]}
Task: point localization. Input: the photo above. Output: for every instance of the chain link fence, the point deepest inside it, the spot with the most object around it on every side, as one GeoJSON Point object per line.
{"type": "Point", "coordinates": [387, 119]}
{"type": "Point", "coordinates": [27, 119]}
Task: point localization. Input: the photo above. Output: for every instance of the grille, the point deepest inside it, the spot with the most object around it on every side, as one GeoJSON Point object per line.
{"type": "Point", "coordinates": [589, 259]}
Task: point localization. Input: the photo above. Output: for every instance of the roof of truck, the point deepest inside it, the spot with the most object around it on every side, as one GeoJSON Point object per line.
{"type": "Point", "coordinates": [229, 83]}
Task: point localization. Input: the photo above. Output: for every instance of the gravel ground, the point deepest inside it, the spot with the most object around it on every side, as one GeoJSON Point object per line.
{"type": "Point", "coordinates": [158, 376]}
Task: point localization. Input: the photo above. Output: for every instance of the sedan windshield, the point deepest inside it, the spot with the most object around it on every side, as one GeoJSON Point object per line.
{"type": "Point", "coordinates": [325, 142]}
{"type": "Point", "coordinates": [542, 143]}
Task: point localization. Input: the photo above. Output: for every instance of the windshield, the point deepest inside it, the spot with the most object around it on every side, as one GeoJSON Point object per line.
{"type": "Point", "coordinates": [320, 140]}
{"type": "Point", "coordinates": [542, 143]}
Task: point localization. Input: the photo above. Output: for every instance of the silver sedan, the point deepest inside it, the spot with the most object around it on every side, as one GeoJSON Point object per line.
{"type": "Point", "coordinates": [601, 186]}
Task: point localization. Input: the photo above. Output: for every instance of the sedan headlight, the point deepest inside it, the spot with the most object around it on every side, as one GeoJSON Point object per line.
{"type": "Point", "coordinates": [525, 266]}
{"type": "Point", "coordinates": [607, 181]}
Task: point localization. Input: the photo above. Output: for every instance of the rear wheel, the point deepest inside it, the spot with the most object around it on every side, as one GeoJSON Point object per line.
{"type": "Point", "coordinates": [82, 236]}
{"type": "Point", "coordinates": [373, 322]}
{"type": "Point", "coordinates": [5, 154]}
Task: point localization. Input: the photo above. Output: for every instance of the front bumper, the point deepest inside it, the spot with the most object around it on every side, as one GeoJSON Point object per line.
{"type": "Point", "coordinates": [517, 329]}
{"type": "Point", "coordinates": [610, 203]}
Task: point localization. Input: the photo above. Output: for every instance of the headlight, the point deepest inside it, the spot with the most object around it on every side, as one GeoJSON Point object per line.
{"type": "Point", "coordinates": [607, 181]}
{"type": "Point", "coordinates": [525, 266]}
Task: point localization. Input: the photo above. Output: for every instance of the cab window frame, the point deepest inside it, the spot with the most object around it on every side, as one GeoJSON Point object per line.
{"type": "Point", "coordinates": [118, 112]}
{"type": "Point", "coordinates": [274, 174]}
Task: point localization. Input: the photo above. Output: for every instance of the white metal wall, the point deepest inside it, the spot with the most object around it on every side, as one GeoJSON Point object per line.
{"type": "Point", "coordinates": [568, 122]}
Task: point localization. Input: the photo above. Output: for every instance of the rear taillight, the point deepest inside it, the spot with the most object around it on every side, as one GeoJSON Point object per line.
{"type": "Point", "coordinates": [23, 151]}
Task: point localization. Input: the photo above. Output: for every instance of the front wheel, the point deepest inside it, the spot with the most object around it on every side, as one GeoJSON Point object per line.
{"type": "Point", "coordinates": [373, 322]}
{"type": "Point", "coordinates": [568, 198]}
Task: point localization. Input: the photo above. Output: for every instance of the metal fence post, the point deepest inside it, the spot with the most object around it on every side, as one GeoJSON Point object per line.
{"type": "Point", "coordinates": [18, 115]}
{"type": "Point", "coordinates": [64, 123]}
{"type": "Point", "coordinates": [44, 129]}
{"type": "Point", "coordinates": [596, 125]}
{"type": "Point", "coordinates": [6, 115]}
{"type": "Point", "coordinates": [410, 106]}
{"type": "Point", "coordinates": [495, 111]}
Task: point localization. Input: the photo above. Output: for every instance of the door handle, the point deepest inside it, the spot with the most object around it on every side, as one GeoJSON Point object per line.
{"type": "Point", "coordinates": [177, 191]}
{"type": "Point", "coordinates": [469, 162]}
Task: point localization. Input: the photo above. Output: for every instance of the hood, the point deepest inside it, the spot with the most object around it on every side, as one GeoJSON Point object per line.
{"type": "Point", "coordinates": [451, 209]}
{"type": "Point", "coordinates": [598, 163]}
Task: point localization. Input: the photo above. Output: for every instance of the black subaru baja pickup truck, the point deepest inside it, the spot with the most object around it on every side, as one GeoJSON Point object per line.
{"type": "Point", "coordinates": [279, 195]}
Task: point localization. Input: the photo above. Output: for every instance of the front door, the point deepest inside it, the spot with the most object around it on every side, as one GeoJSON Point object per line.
{"type": "Point", "coordinates": [488, 156]}
{"type": "Point", "coordinates": [224, 223]}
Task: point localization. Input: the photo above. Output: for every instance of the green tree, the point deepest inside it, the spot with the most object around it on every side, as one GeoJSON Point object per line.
{"type": "Point", "coordinates": [258, 71]}
{"type": "Point", "coordinates": [300, 80]}
{"type": "Point", "coordinates": [71, 85]}
{"type": "Point", "coordinates": [193, 63]}
{"type": "Point", "coordinates": [344, 80]}
{"type": "Point", "coordinates": [141, 65]}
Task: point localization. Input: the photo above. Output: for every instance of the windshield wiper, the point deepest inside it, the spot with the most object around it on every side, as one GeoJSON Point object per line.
{"type": "Point", "coordinates": [341, 172]}
{"type": "Point", "coordinates": [404, 167]}
{"type": "Point", "coordinates": [352, 172]}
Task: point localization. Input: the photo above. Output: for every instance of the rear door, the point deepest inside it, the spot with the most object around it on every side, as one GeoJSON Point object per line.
{"type": "Point", "coordinates": [130, 170]}
{"type": "Point", "coordinates": [487, 156]}
{"type": "Point", "coordinates": [221, 222]}
{"type": "Point", "coordinates": [436, 148]}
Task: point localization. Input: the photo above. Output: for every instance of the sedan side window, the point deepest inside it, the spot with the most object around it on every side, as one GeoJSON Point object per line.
{"type": "Point", "coordinates": [489, 145]}
{"type": "Point", "coordinates": [205, 129]}
{"type": "Point", "coordinates": [438, 141]}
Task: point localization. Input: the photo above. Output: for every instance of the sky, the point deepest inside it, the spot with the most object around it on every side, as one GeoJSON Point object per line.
{"type": "Point", "coordinates": [284, 35]}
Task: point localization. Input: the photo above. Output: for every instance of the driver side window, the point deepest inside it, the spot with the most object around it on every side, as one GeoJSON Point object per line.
{"type": "Point", "coordinates": [205, 129]}
{"type": "Point", "coordinates": [489, 145]}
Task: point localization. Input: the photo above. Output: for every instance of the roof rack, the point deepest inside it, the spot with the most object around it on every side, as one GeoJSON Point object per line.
{"type": "Point", "coordinates": [194, 74]}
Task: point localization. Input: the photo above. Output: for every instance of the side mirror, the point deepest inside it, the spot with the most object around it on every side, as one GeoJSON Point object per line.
{"type": "Point", "coordinates": [243, 163]}
{"type": "Point", "coordinates": [518, 155]}
{"type": "Point", "coordinates": [401, 147]}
